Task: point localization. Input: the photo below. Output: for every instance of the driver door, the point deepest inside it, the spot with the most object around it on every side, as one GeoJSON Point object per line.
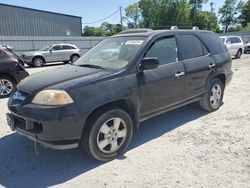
{"type": "Point", "coordinates": [164, 86]}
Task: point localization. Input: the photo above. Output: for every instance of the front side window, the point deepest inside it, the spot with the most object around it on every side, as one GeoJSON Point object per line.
{"type": "Point", "coordinates": [113, 53]}
{"type": "Point", "coordinates": [190, 46]}
{"type": "Point", "coordinates": [229, 41]}
{"type": "Point", "coordinates": [57, 47]}
{"type": "Point", "coordinates": [164, 50]}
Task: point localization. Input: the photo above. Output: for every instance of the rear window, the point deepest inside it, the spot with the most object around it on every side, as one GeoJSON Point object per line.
{"type": "Point", "coordinates": [213, 42]}
{"type": "Point", "coordinates": [191, 46]}
{"type": "Point", "coordinates": [67, 47]}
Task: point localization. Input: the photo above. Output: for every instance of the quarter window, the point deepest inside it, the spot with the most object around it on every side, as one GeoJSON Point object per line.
{"type": "Point", "coordinates": [191, 47]}
{"type": "Point", "coordinates": [164, 50]}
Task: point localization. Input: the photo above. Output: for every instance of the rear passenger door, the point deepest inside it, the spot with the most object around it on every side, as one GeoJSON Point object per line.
{"type": "Point", "coordinates": [162, 87]}
{"type": "Point", "coordinates": [197, 62]}
{"type": "Point", "coordinates": [68, 51]}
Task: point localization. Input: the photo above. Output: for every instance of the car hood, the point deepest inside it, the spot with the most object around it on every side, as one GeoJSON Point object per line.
{"type": "Point", "coordinates": [60, 78]}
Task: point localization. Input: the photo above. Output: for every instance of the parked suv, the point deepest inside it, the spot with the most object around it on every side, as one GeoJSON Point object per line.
{"type": "Point", "coordinates": [11, 71]}
{"type": "Point", "coordinates": [52, 53]}
{"type": "Point", "coordinates": [234, 44]}
{"type": "Point", "coordinates": [99, 101]}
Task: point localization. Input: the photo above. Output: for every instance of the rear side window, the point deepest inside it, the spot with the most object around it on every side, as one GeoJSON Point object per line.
{"type": "Point", "coordinates": [213, 42]}
{"type": "Point", "coordinates": [164, 50]}
{"type": "Point", "coordinates": [191, 47]}
{"type": "Point", "coordinates": [67, 47]}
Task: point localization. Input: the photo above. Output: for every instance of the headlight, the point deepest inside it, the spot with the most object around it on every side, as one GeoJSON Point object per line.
{"type": "Point", "coordinates": [52, 97]}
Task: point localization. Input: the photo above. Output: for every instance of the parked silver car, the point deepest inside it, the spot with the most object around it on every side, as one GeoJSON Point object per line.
{"type": "Point", "coordinates": [234, 45]}
{"type": "Point", "coordinates": [52, 53]}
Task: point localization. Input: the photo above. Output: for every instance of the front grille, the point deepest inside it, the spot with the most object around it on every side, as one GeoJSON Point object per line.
{"type": "Point", "coordinates": [29, 126]}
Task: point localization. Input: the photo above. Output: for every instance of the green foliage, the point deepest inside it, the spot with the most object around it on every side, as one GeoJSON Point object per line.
{"type": "Point", "coordinates": [229, 13]}
{"type": "Point", "coordinates": [245, 14]}
{"type": "Point", "coordinates": [158, 13]}
{"type": "Point", "coordinates": [92, 31]}
{"type": "Point", "coordinates": [133, 15]}
{"type": "Point", "coordinates": [196, 6]}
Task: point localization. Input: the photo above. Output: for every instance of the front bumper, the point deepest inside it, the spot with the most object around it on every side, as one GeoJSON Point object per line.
{"type": "Point", "coordinates": [27, 59]}
{"type": "Point", "coordinates": [52, 127]}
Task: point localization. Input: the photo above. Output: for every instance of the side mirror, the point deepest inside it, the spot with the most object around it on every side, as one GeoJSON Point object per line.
{"type": "Point", "coordinates": [149, 63]}
{"type": "Point", "coordinates": [51, 50]}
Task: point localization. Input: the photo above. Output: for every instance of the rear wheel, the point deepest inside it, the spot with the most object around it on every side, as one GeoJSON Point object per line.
{"type": "Point", "coordinates": [7, 86]}
{"type": "Point", "coordinates": [212, 99]}
{"type": "Point", "coordinates": [73, 58]}
{"type": "Point", "coordinates": [109, 134]}
{"type": "Point", "coordinates": [238, 55]}
{"type": "Point", "coordinates": [38, 62]}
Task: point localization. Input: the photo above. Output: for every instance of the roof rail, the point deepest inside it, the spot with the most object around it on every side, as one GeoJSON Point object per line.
{"type": "Point", "coordinates": [136, 31]}
{"type": "Point", "coordinates": [195, 28]}
{"type": "Point", "coordinates": [174, 27]}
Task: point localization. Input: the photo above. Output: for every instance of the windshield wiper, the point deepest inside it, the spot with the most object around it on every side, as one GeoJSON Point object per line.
{"type": "Point", "coordinates": [91, 66]}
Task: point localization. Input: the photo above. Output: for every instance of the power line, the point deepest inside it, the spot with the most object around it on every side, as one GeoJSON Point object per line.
{"type": "Point", "coordinates": [118, 10]}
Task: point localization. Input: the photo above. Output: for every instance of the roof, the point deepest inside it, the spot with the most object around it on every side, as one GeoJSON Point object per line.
{"type": "Point", "coordinates": [31, 9]}
{"type": "Point", "coordinates": [153, 32]}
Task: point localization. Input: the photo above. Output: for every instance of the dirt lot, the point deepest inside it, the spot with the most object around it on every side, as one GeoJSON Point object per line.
{"type": "Point", "coordinates": [183, 148]}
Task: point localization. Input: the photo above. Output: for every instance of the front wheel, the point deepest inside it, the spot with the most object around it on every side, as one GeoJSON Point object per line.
{"type": "Point", "coordinates": [110, 134]}
{"type": "Point", "coordinates": [7, 86]}
{"type": "Point", "coordinates": [212, 99]}
{"type": "Point", "coordinates": [38, 62]}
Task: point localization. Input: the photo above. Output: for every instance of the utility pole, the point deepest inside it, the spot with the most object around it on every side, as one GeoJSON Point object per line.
{"type": "Point", "coordinates": [211, 15]}
{"type": "Point", "coordinates": [121, 17]}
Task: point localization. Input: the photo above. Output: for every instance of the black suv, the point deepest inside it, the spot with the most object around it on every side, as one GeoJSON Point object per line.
{"type": "Point", "coordinates": [99, 101]}
{"type": "Point", "coordinates": [11, 71]}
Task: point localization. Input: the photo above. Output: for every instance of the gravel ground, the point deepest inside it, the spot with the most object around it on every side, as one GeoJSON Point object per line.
{"type": "Point", "coordinates": [186, 147]}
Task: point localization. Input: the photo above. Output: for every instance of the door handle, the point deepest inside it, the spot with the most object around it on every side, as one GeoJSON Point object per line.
{"type": "Point", "coordinates": [179, 74]}
{"type": "Point", "coordinates": [211, 65]}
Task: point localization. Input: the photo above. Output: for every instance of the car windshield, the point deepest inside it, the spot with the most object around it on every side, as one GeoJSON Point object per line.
{"type": "Point", "coordinates": [46, 48]}
{"type": "Point", "coordinates": [113, 53]}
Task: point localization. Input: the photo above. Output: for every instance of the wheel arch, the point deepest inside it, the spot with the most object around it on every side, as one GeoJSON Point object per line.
{"type": "Point", "coordinates": [9, 75]}
{"type": "Point", "coordinates": [123, 104]}
{"type": "Point", "coordinates": [220, 75]}
{"type": "Point", "coordinates": [36, 56]}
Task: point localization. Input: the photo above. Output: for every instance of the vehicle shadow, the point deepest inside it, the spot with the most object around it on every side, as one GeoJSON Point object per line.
{"type": "Point", "coordinates": [20, 166]}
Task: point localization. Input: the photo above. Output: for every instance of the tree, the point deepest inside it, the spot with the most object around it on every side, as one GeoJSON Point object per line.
{"type": "Point", "coordinates": [133, 15]}
{"type": "Point", "coordinates": [196, 6]}
{"type": "Point", "coordinates": [229, 13]}
{"type": "Point", "coordinates": [156, 13]}
{"type": "Point", "coordinates": [92, 31]}
{"type": "Point", "coordinates": [245, 14]}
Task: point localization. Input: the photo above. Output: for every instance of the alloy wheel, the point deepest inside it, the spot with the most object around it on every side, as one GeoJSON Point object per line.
{"type": "Point", "coordinates": [216, 95]}
{"type": "Point", "coordinates": [6, 87]}
{"type": "Point", "coordinates": [112, 135]}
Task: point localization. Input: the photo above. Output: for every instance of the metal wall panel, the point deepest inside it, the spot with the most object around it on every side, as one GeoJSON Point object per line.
{"type": "Point", "coordinates": [18, 21]}
{"type": "Point", "coordinates": [24, 43]}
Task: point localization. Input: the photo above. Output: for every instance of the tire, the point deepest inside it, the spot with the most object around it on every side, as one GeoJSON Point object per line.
{"type": "Point", "coordinates": [99, 139]}
{"type": "Point", "coordinates": [238, 55]}
{"type": "Point", "coordinates": [38, 62]}
{"type": "Point", "coordinates": [74, 57]}
{"type": "Point", "coordinates": [212, 99]}
{"type": "Point", "coordinates": [7, 86]}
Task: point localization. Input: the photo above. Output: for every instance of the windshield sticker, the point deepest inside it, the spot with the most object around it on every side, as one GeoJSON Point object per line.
{"type": "Point", "coordinates": [134, 42]}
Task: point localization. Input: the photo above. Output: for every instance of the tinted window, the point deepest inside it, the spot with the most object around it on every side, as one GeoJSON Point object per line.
{"type": "Point", "coordinates": [164, 50]}
{"type": "Point", "coordinates": [190, 46]}
{"type": "Point", "coordinates": [213, 42]}
{"type": "Point", "coordinates": [57, 47]}
{"type": "Point", "coordinates": [229, 41]}
{"type": "Point", "coordinates": [67, 47]}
